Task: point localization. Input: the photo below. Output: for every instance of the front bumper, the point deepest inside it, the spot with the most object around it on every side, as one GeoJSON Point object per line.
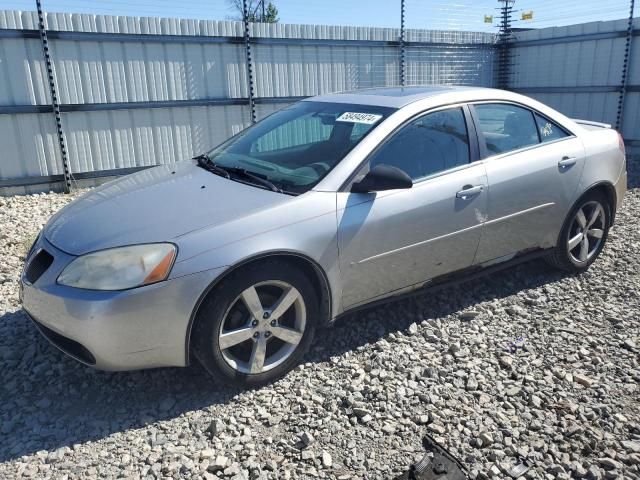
{"type": "Point", "coordinates": [144, 327]}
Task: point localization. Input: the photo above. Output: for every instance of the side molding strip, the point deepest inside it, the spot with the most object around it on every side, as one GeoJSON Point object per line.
{"type": "Point", "coordinates": [424, 242]}
{"type": "Point", "coordinates": [447, 235]}
{"type": "Point", "coordinates": [517, 214]}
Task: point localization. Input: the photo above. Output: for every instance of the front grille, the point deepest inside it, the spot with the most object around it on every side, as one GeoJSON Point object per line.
{"type": "Point", "coordinates": [68, 346]}
{"type": "Point", "coordinates": [38, 265]}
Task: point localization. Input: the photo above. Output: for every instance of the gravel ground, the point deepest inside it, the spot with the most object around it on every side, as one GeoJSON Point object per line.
{"type": "Point", "coordinates": [528, 362]}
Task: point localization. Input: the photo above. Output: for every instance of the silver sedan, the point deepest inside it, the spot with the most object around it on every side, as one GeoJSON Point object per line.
{"type": "Point", "coordinates": [334, 203]}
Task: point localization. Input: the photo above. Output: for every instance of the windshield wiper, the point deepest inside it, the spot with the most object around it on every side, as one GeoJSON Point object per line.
{"type": "Point", "coordinates": [206, 163]}
{"type": "Point", "coordinates": [252, 176]}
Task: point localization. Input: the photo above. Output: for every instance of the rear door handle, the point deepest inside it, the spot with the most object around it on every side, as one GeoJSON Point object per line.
{"type": "Point", "coordinates": [469, 191]}
{"type": "Point", "coordinates": [567, 162]}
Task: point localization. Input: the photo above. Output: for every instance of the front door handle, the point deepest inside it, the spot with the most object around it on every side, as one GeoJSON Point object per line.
{"type": "Point", "coordinates": [567, 162]}
{"type": "Point", "coordinates": [469, 191]}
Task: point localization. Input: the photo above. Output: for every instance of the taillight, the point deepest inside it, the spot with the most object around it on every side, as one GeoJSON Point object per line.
{"type": "Point", "coordinates": [621, 144]}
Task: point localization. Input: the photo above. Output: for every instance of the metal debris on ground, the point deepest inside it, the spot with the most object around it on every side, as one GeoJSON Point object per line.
{"type": "Point", "coordinates": [442, 466]}
{"type": "Point", "coordinates": [520, 469]}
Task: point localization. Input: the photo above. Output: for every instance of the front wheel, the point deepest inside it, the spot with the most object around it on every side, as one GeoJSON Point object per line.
{"type": "Point", "coordinates": [583, 235]}
{"type": "Point", "coordinates": [257, 324]}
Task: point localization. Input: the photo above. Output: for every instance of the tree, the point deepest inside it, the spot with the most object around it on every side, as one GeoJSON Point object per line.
{"type": "Point", "coordinates": [257, 10]}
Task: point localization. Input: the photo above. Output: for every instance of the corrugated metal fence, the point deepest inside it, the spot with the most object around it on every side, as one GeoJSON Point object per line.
{"type": "Point", "coordinates": [138, 91]}
{"type": "Point", "coordinates": [135, 91]}
{"type": "Point", "coordinates": [578, 70]}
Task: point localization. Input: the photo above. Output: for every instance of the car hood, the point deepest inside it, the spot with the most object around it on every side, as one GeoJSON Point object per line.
{"type": "Point", "coordinates": [154, 205]}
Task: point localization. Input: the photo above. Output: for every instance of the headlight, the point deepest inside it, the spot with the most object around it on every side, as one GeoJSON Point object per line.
{"type": "Point", "coordinates": [120, 268]}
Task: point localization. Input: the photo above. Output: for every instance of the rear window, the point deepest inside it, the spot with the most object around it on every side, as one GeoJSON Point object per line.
{"type": "Point", "coordinates": [549, 130]}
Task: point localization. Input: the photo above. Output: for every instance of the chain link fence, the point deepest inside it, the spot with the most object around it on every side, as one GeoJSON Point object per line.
{"type": "Point", "coordinates": [107, 87]}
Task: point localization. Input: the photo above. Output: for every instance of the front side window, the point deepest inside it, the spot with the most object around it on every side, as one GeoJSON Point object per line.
{"type": "Point", "coordinates": [549, 130]}
{"type": "Point", "coordinates": [297, 146]}
{"type": "Point", "coordinates": [430, 144]}
{"type": "Point", "coordinates": [506, 127]}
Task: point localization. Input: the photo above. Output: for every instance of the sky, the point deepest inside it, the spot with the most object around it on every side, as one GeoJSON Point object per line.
{"type": "Point", "coordinates": [430, 14]}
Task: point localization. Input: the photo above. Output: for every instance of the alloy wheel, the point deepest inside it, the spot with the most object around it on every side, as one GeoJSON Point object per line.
{"type": "Point", "coordinates": [586, 232]}
{"type": "Point", "coordinates": [262, 327]}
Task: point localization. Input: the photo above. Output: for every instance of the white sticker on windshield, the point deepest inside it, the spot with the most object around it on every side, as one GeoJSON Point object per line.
{"type": "Point", "coordinates": [355, 117]}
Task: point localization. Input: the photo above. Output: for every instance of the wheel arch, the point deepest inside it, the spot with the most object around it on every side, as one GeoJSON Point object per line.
{"type": "Point", "coordinates": [309, 266]}
{"type": "Point", "coordinates": [608, 190]}
{"type": "Point", "coordinates": [605, 188]}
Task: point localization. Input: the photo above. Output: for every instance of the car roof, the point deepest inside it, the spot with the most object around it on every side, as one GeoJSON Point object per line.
{"type": "Point", "coordinates": [398, 97]}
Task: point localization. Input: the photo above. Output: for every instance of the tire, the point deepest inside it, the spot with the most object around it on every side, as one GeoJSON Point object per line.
{"type": "Point", "coordinates": [226, 316]}
{"type": "Point", "coordinates": [573, 259]}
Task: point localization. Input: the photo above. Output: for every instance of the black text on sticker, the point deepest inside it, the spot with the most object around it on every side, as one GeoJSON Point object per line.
{"type": "Point", "coordinates": [356, 117]}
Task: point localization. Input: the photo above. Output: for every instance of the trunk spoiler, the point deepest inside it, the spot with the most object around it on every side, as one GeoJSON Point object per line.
{"type": "Point", "coordinates": [590, 123]}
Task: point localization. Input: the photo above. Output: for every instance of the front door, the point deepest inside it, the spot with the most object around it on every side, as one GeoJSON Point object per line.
{"type": "Point", "coordinates": [396, 239]}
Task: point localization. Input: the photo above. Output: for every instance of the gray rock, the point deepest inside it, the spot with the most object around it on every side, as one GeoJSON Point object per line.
{"type": "Point", "coordinates": [593, 473]}
{"type": "Point", "coordinates": [366, 419]}
{"type": "Point", "coordinates": [513, 391]}
{"type": "Point", "coordinates": [437, 428]}
{"type": "Point", "coordinates": [388, 428]}
{"type": "Point", "coordinates": [630, 446]}
{"type": "Point", "coordinates": [535, 401]}
{"type": "Point", "coordinates": [307, 439]}
{"type": "Point", "coordinates": [469, 315]}
{"type": "Point", "coordinates": [506, 362]}
{"type": "Point", "coordinates": [472, 383]}
{"type": "Point", "coordinates": [219, 463]}
{"type": "Point", "coordinates": [233, 469]}
{"type": "Point", "coordinates": [307, 454]}
{"type": "Point", "coordinates": [327, 461]}
{"type": "Point", "coordinates": [207, 453]}
{"type": "Point", "coordinates": [360, 412]}
{"type": "Point", "coordinates": [515, 310]}
{"type": "Point", "coordinates": [609, 464]}
{"type": "Point", "coordinates": [583, 380]}
{"type": "Point", "coordinates": [486, 439]}
{"type": "Point", "coordinates": [494, 472]}
{"type": "Point", "coordinates": [422, 419]}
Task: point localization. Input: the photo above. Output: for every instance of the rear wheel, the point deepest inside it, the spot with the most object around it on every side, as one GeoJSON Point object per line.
{"type": "Point", "coordinates": [583, 235]}
{"type": "Point", "coordinates": [257, 324]}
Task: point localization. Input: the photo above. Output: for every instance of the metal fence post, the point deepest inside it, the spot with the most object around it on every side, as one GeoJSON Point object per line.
{"type": "Point", "coordinates": [54, 97]}
{"type": "Point", "coordinates": [403, 53]}
{"type": "Point", "coordinates": [247, 46]}
{"type": "Point", "coordinates": [625, 68]}
{"type": "Point", "coordinates": [503, 45]}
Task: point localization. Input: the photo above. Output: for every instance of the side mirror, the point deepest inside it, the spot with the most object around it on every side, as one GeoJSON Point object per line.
{"type": "Point", "coordinates": [382, 177]}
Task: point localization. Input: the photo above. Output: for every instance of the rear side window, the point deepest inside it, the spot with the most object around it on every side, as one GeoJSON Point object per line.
{"type": "Point", "coordinates": [430, 144]}
{"type": "Point", "coordinates": [506, 127]}
{"type": "Point", "coordinates": [549, 130]}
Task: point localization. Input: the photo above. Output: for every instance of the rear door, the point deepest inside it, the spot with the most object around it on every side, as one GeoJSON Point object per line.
{"type": "Point", "coordinates": [396, 239]}
{"type": "Point", "coordinates": [533, 169]}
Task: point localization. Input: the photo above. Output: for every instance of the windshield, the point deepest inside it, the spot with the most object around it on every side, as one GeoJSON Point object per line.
{"type": "Point", "coordinates": [297, 146]}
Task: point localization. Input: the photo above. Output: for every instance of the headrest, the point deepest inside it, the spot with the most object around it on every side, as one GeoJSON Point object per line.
{"type": "Point", "coordinates": [514, 124]}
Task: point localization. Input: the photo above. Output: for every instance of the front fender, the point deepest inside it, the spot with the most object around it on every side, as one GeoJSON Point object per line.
{"type": "Point", "coordinates": [306, 227]}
